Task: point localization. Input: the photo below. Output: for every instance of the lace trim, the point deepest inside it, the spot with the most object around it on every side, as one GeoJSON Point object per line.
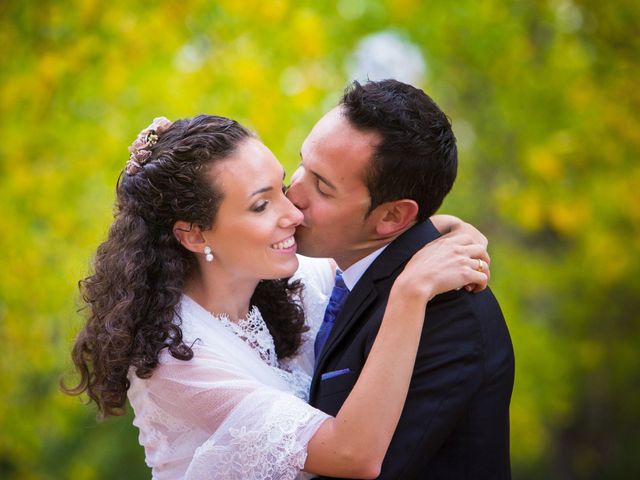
{"type": "Point", "coordinates": [253, 330]}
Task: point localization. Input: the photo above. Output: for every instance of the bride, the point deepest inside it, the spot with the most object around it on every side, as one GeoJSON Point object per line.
{"type": "Point", "coordinates": [190, 314]}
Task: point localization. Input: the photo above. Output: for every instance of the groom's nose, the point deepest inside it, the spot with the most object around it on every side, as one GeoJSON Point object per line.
{"type": "Point", "coordinates": [295, 192]}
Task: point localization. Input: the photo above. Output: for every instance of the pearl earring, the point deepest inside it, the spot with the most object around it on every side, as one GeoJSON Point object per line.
{"type": "Point", "coordinates": [207, 254]}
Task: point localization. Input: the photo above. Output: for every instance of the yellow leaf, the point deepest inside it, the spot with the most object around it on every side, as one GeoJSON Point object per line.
{"type": "Point", "coordinates": [544, 164]}
{"type": "Point", "coordinates": [308, 33]}
{"type": "Point", "coordinates": [569, 217]}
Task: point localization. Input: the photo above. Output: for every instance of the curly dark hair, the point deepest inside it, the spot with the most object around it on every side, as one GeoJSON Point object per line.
{"type": "Point", "coordinates": [417, 157]}
{"type": "Point", "coordinates": [141, 269]}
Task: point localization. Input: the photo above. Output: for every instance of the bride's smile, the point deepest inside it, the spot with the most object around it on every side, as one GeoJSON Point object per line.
{"type": "Point", "coordinates": [288, 245]}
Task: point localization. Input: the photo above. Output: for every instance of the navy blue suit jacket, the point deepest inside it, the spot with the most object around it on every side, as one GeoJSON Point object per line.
{"type": "Point", "coordinates": [455, 422]}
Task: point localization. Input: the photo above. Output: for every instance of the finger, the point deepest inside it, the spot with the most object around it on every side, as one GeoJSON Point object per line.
{"type": "Point", "coordinates": [487, 272]}
{"type": "Point", "coordinates": [473, 256]}
{"type": "Point", "coordinates": [484, 256]}
{"type": "Point", "coordinates": [478, 287]}
{"type": "Point", "coordinates": [475, 281]}
{"type": "Point", "coordinates": [479, 281]}
{"type": "Point", "coordinates": [474, 288]}
{"type": "Point", "coordinates": [476, 251]}
{"type": "Point", "coordinates": [480, 265]}
{"type": "Point", "coordinates": [458, 238]}
{"type": "Point", "coordinates": [483, 261]}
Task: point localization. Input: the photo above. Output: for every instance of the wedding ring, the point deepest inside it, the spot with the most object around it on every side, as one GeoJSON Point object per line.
{"type": "Point", "coordinates": [480, 265]}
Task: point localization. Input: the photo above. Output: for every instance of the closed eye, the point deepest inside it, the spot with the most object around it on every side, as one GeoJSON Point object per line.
{"type": "Point", "coordinates": [319, 190]}
{"type": "Point", "coordinates": [260, 207]}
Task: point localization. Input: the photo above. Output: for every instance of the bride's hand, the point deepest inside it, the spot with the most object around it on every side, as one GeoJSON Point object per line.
{"type": "Point", "coordinates": [450, 224]}
{"type": "Point", "coordinates": [448, 263]}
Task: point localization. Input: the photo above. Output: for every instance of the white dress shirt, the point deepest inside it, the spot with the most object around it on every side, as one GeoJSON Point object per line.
{"type": "Point", "coordinates": [352, 274]}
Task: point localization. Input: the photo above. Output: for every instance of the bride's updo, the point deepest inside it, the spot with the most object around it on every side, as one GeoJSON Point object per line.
{"type": "Point", "coordinates": [140, 270]}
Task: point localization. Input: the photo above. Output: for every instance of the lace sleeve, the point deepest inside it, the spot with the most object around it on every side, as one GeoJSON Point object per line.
{"type": "Point", "coordinates": [225, 410]}
{"type": "Point", "coordinates": [264, 438]}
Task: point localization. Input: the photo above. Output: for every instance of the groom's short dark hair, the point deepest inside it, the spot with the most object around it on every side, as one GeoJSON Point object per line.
{"type": "Point", "coordinates": [417, 157]}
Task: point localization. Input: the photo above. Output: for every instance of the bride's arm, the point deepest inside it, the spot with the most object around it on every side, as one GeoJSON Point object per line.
{"type": "Point", "coordinates": [354, 443]}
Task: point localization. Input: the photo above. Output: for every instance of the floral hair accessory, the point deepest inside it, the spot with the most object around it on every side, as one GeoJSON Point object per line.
{"type": "Point", "coordinates": [146, 139]}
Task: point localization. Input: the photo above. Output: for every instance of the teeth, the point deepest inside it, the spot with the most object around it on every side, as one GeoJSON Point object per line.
{"type": "Point", "coordinates": [289, 242]}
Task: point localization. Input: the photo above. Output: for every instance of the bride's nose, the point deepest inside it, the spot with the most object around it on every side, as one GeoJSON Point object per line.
{"type": "Point", "coordinates": [292, 217]}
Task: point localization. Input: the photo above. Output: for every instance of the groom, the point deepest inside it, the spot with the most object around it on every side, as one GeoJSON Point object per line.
{"type": "Point", "coordinates": [373, 170]}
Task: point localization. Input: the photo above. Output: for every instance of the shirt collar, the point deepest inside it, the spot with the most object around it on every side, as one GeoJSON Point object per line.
{"type": "Point", "coordinates": [352, 274]}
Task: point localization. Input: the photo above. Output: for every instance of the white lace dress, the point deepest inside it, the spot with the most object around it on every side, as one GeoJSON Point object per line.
{"type": "Point", "coordinates": [233, 411]}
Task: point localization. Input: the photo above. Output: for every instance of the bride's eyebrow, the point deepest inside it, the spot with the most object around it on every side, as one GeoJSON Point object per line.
{"type": "Point", "coordinates": [261, 190]}
{"type": "Point", "coordinates": [266, 189]}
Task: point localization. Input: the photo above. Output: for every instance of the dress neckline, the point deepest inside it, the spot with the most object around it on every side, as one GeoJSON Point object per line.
{"type": "Point", "coordinates": [251, 329]}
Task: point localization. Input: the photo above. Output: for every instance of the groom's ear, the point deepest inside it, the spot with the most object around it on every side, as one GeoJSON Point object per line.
{"type": "Point", "coordinates": [189, 235]}
{"type": "Point", "coordinates": [395, 217]}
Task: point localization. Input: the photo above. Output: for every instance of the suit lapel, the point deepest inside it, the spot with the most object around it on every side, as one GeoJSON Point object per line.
{"type": "Point", "coordinates": [364, 292]}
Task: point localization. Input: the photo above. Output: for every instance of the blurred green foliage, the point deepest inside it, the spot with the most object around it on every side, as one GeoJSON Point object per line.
{"type": "Point", "coordinates": [543, 96]}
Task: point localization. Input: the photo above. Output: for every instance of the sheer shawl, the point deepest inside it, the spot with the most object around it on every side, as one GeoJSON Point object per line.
{"type": "Point", "coordinates": [228, 414]}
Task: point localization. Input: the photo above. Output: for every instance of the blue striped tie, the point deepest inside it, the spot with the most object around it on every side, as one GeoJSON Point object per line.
{"type": "Point", "coordinates": [338, 297]}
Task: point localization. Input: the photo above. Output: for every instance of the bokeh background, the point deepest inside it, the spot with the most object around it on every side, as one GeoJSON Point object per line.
{"type": "Point", "coordinates": [544, 98]}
